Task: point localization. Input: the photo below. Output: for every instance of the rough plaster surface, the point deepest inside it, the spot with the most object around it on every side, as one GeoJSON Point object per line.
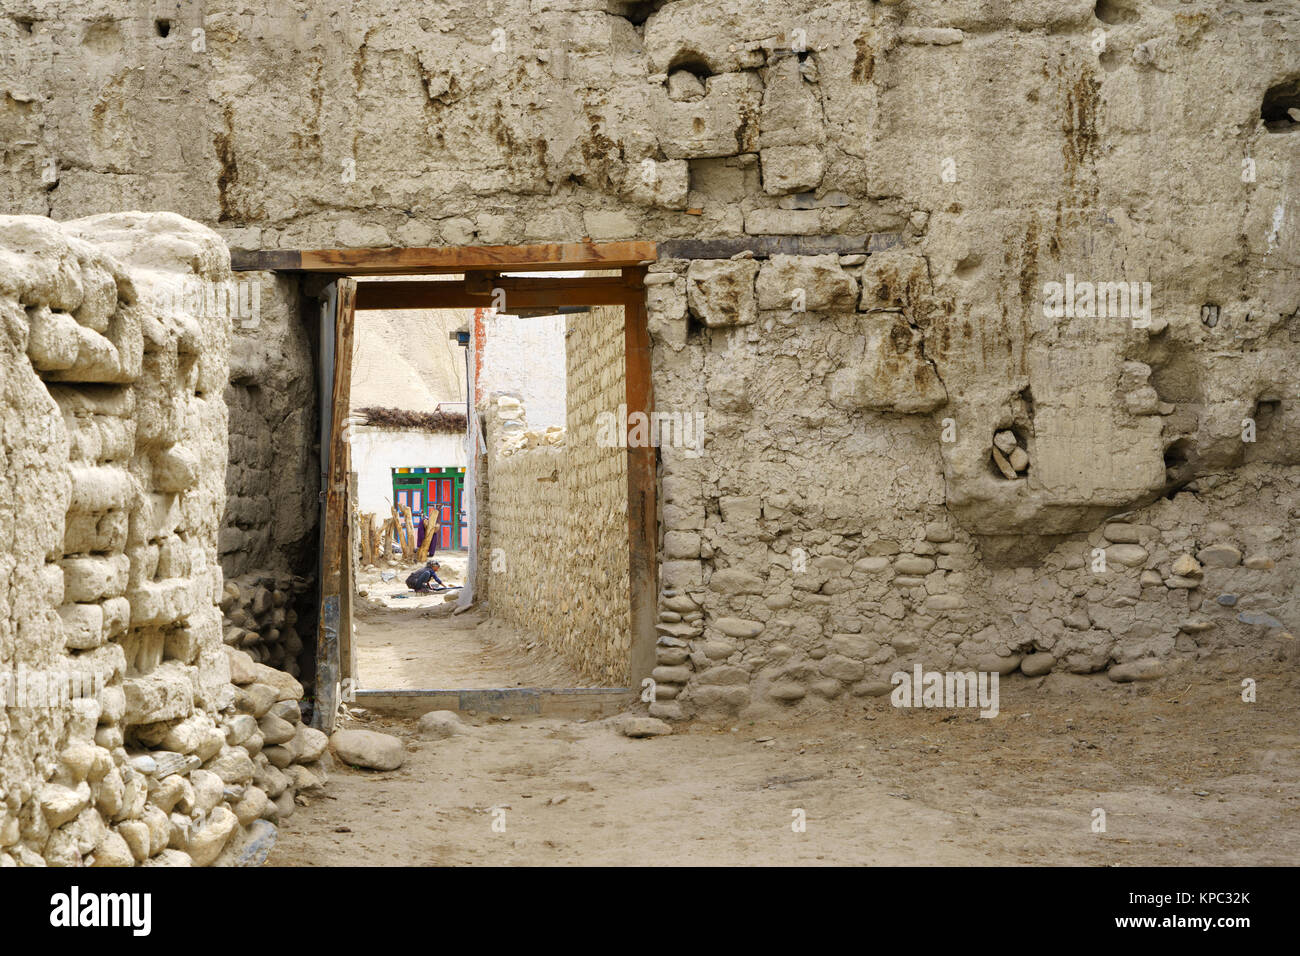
{"type": "Point", "coordinates": [113, 438]}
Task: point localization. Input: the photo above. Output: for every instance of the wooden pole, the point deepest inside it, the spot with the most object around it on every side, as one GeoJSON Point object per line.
{"type": "Point", "coordinates": [408, 552]}
{"type": "Point", "coordinates": [398, 530]}
{"type": "Point", "coordinates": [365, 540]}
{"type": "Point", "coordinates": [430, 529]}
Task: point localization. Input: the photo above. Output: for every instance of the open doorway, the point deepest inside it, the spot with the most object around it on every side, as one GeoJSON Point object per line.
{"type": "Point", "coordinates": [406, 434]}
{"type": "Point", "coordinates": [544, 575]}
{"type": "Point", "coordinates": [412, 371]}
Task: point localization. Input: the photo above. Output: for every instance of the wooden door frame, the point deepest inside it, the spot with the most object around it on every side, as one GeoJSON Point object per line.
{"type": "Point", "coordinates": [481, 267]}
{"type": "Point", "coordinates": [335, 654]}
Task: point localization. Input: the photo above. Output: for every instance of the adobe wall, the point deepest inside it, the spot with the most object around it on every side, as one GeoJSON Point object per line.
{"type": "Point", "coordinates": [558, 539]}
{"type": "Point", "coordinates": [851, 403]}
{"type": "Point", "coordinates": [131, 732]}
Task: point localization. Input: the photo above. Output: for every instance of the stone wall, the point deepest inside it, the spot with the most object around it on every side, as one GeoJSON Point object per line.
{"type": "Point", "coordinates": [859, 505]}
{"type": "Point", "coordinates": [596, 543]}
{"type": "Point", "coordinates": [273, 475]}
{"type": "Point", "coordinates": [270, 530]}
{"type": "Point", "coordinates": [130, 733]}
{"type": "Point", "coordinates": [558, 546]}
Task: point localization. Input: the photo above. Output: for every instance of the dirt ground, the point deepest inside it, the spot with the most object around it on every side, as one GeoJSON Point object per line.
{"type": "Point", "coordinates": [1186, 773]}
{"type": "Point", "coordinates": [409, 641]}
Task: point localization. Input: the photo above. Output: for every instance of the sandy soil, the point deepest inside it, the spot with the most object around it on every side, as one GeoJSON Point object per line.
{"type": "Point", "coordinates": [409, 641]}
{"type": "Point", "coordinates": [372, 589]}
{"type": "Point", "coordinates": [1186, 772]}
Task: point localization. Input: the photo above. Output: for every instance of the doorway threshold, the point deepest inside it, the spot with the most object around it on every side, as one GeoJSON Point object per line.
{"type": "Point", "coordinates": [568, 702]}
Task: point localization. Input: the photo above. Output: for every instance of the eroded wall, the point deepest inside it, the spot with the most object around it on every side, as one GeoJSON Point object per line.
{"type": "Point", "coordinates": [130, 731]}
{"type": "Point", "coordinates": [850, 402]}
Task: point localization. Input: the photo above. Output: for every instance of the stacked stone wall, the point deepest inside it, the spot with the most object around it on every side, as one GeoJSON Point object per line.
{"type": "Point", "coordinates": [130, 733]}
{"type": "Point", "coordinates": [559, 536]}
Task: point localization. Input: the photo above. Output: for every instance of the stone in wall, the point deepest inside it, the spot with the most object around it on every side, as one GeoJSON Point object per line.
{"type": "Point", "coordinates": [125, 738]}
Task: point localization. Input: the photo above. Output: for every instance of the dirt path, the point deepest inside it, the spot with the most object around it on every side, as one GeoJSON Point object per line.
{"type": "Point", "coordinates": [1185, 776]}
{"type": "Point", "coordinates": [432, 650]}
{"type": "Point", "coordinates": [409, 641]}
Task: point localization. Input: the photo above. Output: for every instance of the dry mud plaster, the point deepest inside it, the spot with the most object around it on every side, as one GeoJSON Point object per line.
{"type": "Point", "coordinates": [912, 456]}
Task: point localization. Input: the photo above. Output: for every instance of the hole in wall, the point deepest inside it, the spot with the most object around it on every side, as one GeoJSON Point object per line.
{"type": "Point", "coordinates": [968, 266]}
{"type": "Point", "coordinates": [25, 24]}
{"type": "Point", "coordinates": [1027, 397]}
{"type": "Point", "coordinates": [1009, 458]}
{"type": "Point", "coordinates": [1115, 11]}
{"type": "Point", "coordinates": [1265, 410]}
{"type": "Point", "coordinates": [163, 27]}
{"type": "Point", "coordinates": [1179, 457]}
{"type": "Point", "coordinates": [1280, 110]}
{"type": "Point", "coordinates": [635, 12]}
{"type": "Point", "coordinates": [1209, 315]}
{"type": "Point", "coordinates": [693, 63]}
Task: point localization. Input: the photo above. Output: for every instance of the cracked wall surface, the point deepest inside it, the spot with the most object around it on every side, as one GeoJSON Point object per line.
{"type": "Point", "coordinates": [925, 397]}
{"type": "Point", "coordinates": [131, 731]}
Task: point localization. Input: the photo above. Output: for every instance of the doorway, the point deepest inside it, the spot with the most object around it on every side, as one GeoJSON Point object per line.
{"type": "Point", "coordinates": [420, 279]}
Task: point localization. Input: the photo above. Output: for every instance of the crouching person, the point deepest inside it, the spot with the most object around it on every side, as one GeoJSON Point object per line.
{"type": "Point", "coordinates": [425, 577]}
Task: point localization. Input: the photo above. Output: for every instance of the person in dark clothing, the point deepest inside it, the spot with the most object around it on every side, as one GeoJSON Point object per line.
{"type": "Point", "coordinates": [423, 579]}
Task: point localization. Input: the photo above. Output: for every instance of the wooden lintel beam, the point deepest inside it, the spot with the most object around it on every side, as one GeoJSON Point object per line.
{"type": "Point", "coordinates": [519, 293]}
{"type": "Point", "coordinates": [265, 260]}
{"type": "Point", "coordinates": [445, 260]}
{"type": "Point", "coordinates": [765, 246]}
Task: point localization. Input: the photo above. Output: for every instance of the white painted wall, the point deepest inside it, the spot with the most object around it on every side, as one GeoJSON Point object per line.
{"type": "Point", "coordinates": [525, 357]}
{"type": "Point", "coordinates": [377, 451]}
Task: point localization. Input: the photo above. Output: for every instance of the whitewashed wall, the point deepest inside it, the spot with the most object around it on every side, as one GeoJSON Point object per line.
{"type": "Point", "coordinates": [377, 451]}
{"type": "Point", "coordinates": [525, 357]}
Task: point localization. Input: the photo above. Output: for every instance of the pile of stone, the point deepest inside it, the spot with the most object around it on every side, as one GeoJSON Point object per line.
{"type": "Point", "coordinates": [513, 431]}
{"type": "Point", "coordinates": [205, 789]}
{"type": "Point", "coordinates": [260, 617]}
{"type": "Point", "coordinates": [1009, 458]}
{"type": "Point", "coordinates": [531, 438]}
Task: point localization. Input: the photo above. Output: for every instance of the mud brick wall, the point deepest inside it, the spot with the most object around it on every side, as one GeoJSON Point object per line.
{"type": "Point", "coordinates": [129, 732]}
{"type": "Point", "coordinates": [905, 457]}
{"type": "Point", "coordinates": [558, 544]}
{"type": "Point", "coordinates": [596, 495]}
{"type": "Point", "coordinates": [528, 570]}
{"type": "Point", "coordinates": [860, 503]}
